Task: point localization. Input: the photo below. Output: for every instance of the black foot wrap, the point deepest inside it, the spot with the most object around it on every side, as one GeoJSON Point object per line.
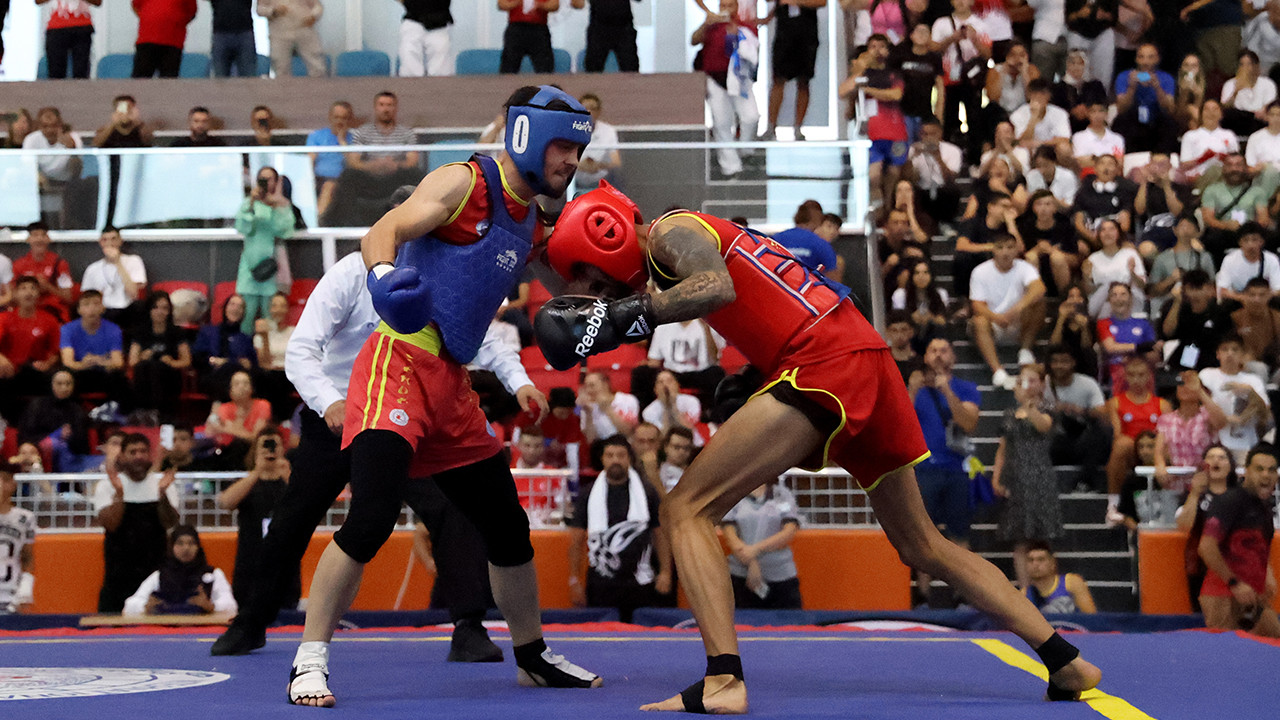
{"type": "Point", "coordinates": [529, 652]}
{"type": "Point", "coordinates": [1056, 653]}
{"type": "Point", "coordinates": [692, 698]}
{"type": "Point", "coordinates": [724, 665]}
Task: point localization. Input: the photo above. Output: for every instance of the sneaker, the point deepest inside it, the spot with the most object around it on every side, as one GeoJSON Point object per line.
{"type": "Point", "coordinates": [1002, 380]}
{"type": "Point", "coordinates": [1026, 357]}
{"type": "Point", "coordinates": [239, 640]}
{"type": "Point", "coordinates": [548, 669]}
{"type": "Point", "coordinates": [471, 644]}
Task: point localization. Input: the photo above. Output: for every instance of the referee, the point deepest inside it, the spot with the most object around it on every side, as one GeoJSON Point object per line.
{"type": "Point", "coordinates": [338, 318]}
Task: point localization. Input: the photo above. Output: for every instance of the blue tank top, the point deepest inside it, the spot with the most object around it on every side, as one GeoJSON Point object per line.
{"type": "Point", "coordinates": [1058, 601]}
{"type": "Point", "coordinates": [469, 282]}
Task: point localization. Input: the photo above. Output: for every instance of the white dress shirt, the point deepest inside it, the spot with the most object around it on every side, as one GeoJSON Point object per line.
{"type": "Point", "coordinates": [337, 320]}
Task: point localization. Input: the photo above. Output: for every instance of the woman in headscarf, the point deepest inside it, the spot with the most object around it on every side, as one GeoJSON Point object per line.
{"type": "Point", "coordinates": [185, 584]}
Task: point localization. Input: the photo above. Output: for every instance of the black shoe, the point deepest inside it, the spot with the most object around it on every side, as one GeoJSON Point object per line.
{"type": "Point", "coordinates": [471, 644]}
{"type": "Point", "coordinates": [239, 640]}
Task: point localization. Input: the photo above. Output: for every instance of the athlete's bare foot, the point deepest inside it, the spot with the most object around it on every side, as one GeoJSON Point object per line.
{"type": "Point", "coordinates": [1079, 675]}
{"type": "Point", "coordinates": [309, 687]}
{"type": "Point", "coordinates": [721, 695]}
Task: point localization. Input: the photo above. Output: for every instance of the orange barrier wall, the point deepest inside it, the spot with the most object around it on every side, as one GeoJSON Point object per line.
{"type": "Point", "coordinates": [839, 570]}
{"type": "Point", "coordinates": [1162, 581]}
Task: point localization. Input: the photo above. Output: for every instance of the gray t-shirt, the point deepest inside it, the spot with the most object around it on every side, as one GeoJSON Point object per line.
{"type": "Point", "coordinates": [1083, 391]}
{"type": "Point", "coordinates": [757, 519]}
{"type": "Point", "coordinates": [369, 134]}
{"type": "Point", "coordinates": [1167, 261]}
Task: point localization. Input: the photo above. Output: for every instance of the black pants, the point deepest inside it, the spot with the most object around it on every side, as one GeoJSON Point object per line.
{"type": "Point", "coordinates": [601, 39]}
{"type": "Point", "coordinates": [72, 42]}
{"type": "Point", "coordinates": [112, 382]}
{"type": "Point", "coordinates": [274, 387]}
{"type": "Point", "coordinates": [157, 387]}
{"type": "Point", "coordinates": [1087, 445]}
{"type": "Point", "coordinates": [532, 39]}
{"type": "Point", "coordinates": [962, 267]}
{"type": "Point", "coordinates": [320, 470]}
{"type": "Point", "coordinates": [1158, 134]}
{"type": "Point", "coordinates": [971, 141]}
{"type": "Point", "coordinates": [15, 392]}
{"type": "Point", "coordinates": [152, 58]}
{"type": "Point", "coordinates": [625, 597]}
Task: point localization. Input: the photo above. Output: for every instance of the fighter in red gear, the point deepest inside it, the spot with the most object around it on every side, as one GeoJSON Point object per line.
{"type": "Point", "coordinates": [833, 394]}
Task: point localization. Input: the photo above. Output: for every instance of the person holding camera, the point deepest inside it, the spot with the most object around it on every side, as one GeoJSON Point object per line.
{"type": "Point", "coordinates": [264, 216]}
{"type": "Point", "coordinates": [255, 495]}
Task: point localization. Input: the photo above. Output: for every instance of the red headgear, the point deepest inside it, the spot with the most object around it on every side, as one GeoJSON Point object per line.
{"type": "Point", "coordinates": [599, 228]}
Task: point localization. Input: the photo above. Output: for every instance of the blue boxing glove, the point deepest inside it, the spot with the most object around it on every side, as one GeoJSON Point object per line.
{"type": "Point", "coordinates": [400, 296]}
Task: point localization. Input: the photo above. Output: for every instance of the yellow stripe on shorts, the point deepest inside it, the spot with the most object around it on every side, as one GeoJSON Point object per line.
{"type": "Point", "coordinates": [368, 391]}
{"type": "Point", "coordinates": [382, 388]}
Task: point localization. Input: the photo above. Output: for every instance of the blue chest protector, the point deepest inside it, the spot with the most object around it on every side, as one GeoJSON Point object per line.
{"type": "Point", "coordinates": [469, 282]}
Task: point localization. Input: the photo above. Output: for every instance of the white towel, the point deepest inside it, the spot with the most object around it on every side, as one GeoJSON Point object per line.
{"type": "Point", "coordinates": [605, 543]}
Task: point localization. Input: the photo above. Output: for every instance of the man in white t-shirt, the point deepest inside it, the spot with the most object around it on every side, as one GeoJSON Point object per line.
{"type": "Point", "coordinates": [605, 412]}
{"type": "Point", "coordinates": [671, 408]}
{"type": "Point", "coordinates": [1262, 151]}
{"type": "Point", "coordinates": [1097, 139]}
{"type": "Point", "coordinates": [1241, 395]}
{"type": "Point", "coordinates": [691, 350]}
{"type": "Point", "coordinates": [135, 507]}
{"type": "Point", "coordinates": [1250, 261]}
{"type": "Point", "coordinates": [1040, 122]}
{"type": "Point", "coordinates": [1203, 148]}
{"type": "Point", "coordinates": [55, 170]}
{"type": "Point", "coordinates": [120, 278]}
{"type": "Point", "coordinates": [1008, 307]}
{"type": "Point", "coordinates": [601, 159]}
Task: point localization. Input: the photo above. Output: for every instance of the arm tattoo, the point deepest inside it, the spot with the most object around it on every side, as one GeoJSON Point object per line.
{"type": "Point", "coordinates": [705, 285]}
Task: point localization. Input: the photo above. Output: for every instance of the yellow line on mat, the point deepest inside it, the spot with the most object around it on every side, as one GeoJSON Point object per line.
{"type": "Point", "coordinates": [1109, 706]}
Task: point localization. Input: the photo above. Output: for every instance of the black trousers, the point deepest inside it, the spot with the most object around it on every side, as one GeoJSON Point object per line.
{"type": "Point", "coordinates": [620, 39]}
{"type": "Point", "coordinates": [63, 43]}
{"type": "Point", "coordinates": [152, 58]}
{"type": "Point", "coordinates": [320, 470]}
{"type": "Point", "coordinates": [532, 39]}
{"type": "Point", "coordinates": [1158, 134]}
{"type": "Point", "coordinates": [971, 141]}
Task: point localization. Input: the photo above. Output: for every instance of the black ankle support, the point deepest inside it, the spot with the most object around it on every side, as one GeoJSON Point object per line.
{"type": "Point", "coordinates": [529, 651]}
{"type": "Point", "coordinates": [1056, 653]}
{"type": "Point", "coordinates": [724, 665]}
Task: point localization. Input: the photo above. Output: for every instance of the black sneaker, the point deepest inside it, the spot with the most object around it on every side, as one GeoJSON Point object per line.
{"type": "Point", "coordinates": [539, 667]}
{"type": "Point", "coordinates": [471, 644]}
{"type": "Point", "coordinates": [238, 640]}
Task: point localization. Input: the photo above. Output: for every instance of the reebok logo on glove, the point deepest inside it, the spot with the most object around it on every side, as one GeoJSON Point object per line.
{"type": "Point", "coordinates": [639, 329]}
{"type": "Point", "coordinates": [598, 312]}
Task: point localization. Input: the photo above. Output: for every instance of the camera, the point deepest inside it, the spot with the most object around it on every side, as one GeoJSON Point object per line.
{"type": "Point", "coordinates": [263, 123]}
{"type": "Point", "coordinates": [270, 445]}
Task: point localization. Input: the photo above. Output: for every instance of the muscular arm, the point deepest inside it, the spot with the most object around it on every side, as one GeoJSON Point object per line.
{"type": "Point", "coordinates": [685, 247]}
{"type": "Point", "coordinates": [431, 205]}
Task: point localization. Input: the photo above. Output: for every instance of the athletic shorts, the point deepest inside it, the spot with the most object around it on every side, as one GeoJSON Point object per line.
{"type": "Point", "coordinates": [400, 383]}
{"type": "Point", "coordinates": [893, 152]}
{"type": "Point", "coordinates": [875, 427]}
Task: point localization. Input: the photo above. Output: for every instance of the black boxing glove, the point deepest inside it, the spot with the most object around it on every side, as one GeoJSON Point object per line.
{"type": "Point", "coordinates": [571, 328]}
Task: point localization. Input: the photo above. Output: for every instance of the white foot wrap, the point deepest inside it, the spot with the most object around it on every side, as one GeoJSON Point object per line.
{"type": "Point", "coordinates": [309, 676]}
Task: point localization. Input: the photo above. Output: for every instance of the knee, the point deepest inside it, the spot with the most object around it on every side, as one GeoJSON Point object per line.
{"type": "Point", "coordinates": [364, 533]}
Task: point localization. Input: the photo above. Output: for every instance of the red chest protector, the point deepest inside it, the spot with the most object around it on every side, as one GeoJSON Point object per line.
{"type": "Point", "coordinates": [778, 297]}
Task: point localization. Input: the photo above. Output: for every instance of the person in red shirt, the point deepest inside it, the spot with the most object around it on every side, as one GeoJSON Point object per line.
{"type": "Point", "coordinates": [51, 271]}
{"type": "Point", "coordinates": [28, 346]}
{"type": "Point", "coordinates": [832, 394]}
{"type": "Point", "coordinates": [69, 34]}
{"type": "Point", "coordinates": [527, 34]}
{"type": "Point", "coordinates": [162, 31]}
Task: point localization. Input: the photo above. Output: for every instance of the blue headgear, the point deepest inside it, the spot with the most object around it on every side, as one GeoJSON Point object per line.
{"type": "Point", "coordinates": [532, 127]}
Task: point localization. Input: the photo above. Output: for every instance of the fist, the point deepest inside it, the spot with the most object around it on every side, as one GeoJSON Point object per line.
{"type": "Point", "coordinates": [571, 328]}
{"type": "Point", "coordinates": [401, 297]}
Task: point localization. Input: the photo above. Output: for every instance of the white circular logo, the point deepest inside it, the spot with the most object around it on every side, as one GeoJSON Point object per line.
{"type": "Point", "coordinates": [520, 134]}
{"type": "Point", "coordinates": [21, 683]}
{"type": "Point", "coordinates": [399, 417]}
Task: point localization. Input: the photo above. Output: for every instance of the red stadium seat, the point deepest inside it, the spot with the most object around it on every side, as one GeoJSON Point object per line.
{"type": "Point", "coordinates": [732, 359]}
{"type": "Point", "coordinates": [221, 292]}
{"type": "Point", "coordinates": [617, 364]}
{"type": "Point", "coordinates": [542, 374]}
{"type": "Point", "coordinates": [298, 294]}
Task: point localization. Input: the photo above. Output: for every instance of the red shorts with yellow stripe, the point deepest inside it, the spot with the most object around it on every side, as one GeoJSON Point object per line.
{"type": "Point", "coordinates": [876, 430]}
{"type": "Point", "coordinates": [400, 383]}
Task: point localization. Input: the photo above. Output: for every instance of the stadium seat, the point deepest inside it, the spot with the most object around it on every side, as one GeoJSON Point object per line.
{"type": "Point", "coordinates": [362, 63]}
{"type": "Point", "coordinates": [298, 294]}
{"type": "Point", "coordinates": [300, 68]}
{"type": "Point", "coordinates": [440, 158]}
{"type": "Point", "coordinates": [264, 66]}
{"type": "Point", "coordinates": [42, 70]}
{"type": "Point", "coordinates": [221, 292]}
{"type": "Point", "coordinates": [542, 375]}
{"type": "Point", "coordinates": [538, 294]}
{"type": "Point", "coordinates": [563, 62]}
{"type": "Point", "coordinates": [194, 65]}
{"type": "Point", "coordinates": [477, 61]}
{"type": "Point", "coordinates": [617, 364]}
{"type": "Point", "coordinates": [610, 62]}
{"type": "Point", "coordinates": [9, 447]}
{"type": "Point", "coordinates": [117, 66]}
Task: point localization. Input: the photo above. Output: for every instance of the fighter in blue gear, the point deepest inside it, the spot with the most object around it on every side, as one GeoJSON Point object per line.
{"type": "Point", "coordinates": [440, 265]}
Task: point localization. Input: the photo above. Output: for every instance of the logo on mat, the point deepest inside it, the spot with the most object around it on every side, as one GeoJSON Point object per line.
{"type": "Point", "coordinates": [508, 259]}
{"type": "Point", "coordinates": [399, 417]}
{"type": "Point", "coordinates": [24, 683]}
